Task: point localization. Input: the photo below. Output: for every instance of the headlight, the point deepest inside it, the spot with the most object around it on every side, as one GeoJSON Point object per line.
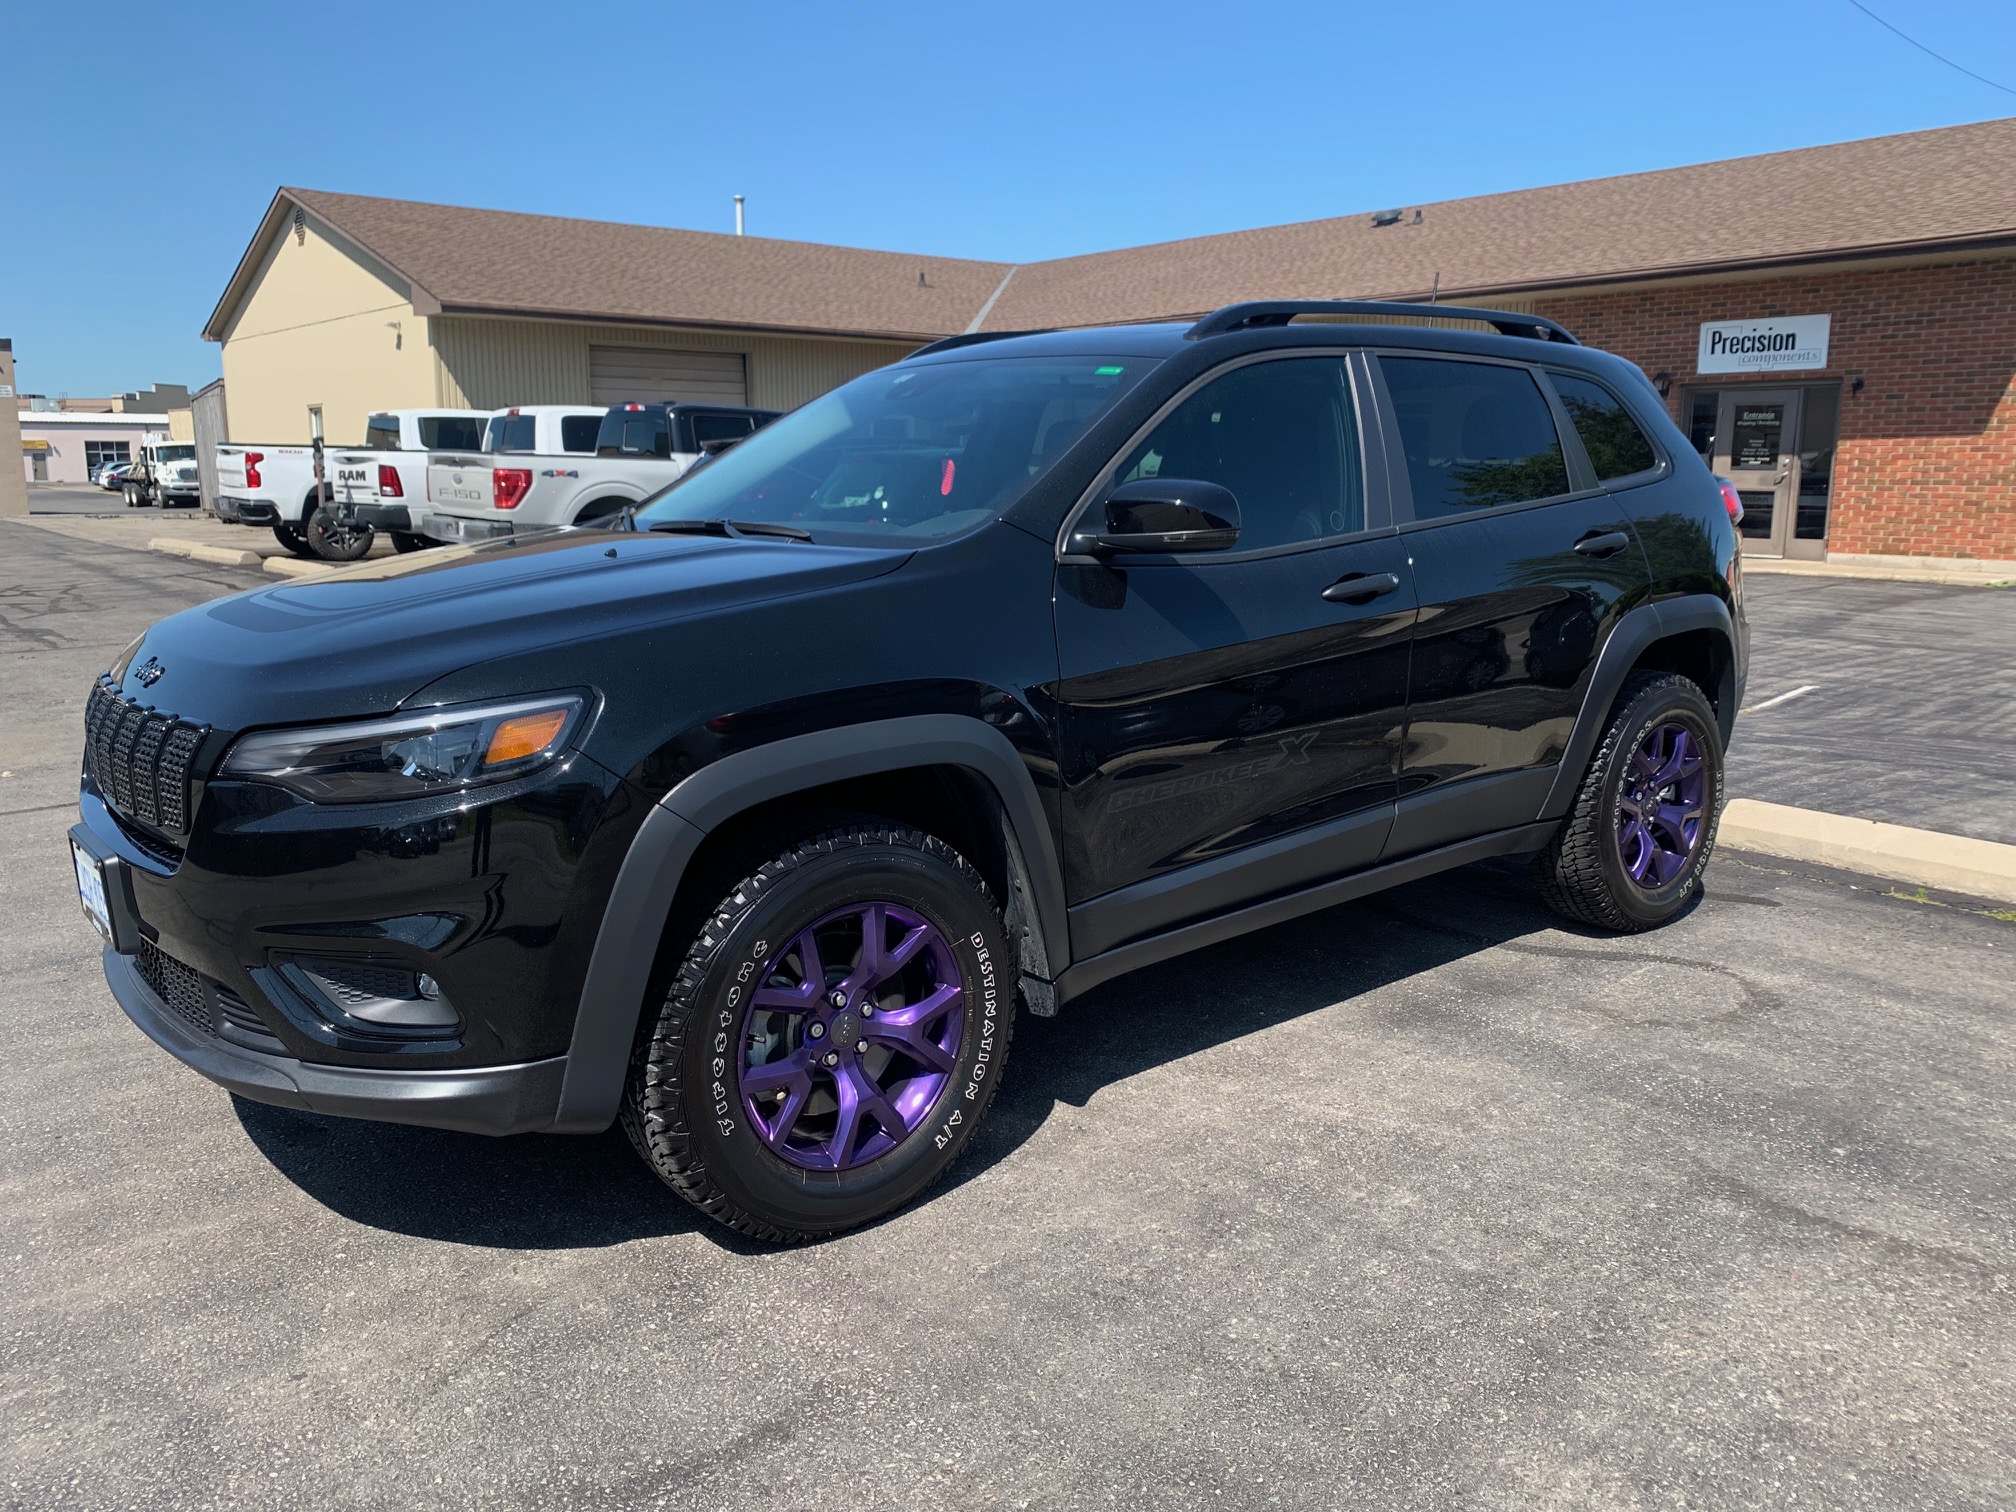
{"type": "Point", "coordinates": [437, 751]}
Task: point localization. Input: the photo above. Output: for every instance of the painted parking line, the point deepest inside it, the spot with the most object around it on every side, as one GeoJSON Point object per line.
{"type": "Point", "coordinates": [1772, 703]}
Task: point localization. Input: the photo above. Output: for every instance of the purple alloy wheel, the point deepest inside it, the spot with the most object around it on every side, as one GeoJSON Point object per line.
{"type": "Point", "coordinates": [852, 1036]}
{"type": "Point", "coordinates": [1662, 805]}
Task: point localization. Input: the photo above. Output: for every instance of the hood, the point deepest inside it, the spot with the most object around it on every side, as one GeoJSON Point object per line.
{"type": "Point", "coordinates": [363, 639]}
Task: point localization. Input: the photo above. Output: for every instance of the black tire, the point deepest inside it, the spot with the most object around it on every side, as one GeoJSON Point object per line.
{"type": "Point", "coordinates": [134, 499]}
{"type": "Point", "coordinates": [683, 1107]}
{"type": "Point", "coordinates": [291, 537]}
{"type": "Point", "coordinates": [1582, 873]}
{"type": "Point", "coordinates": [404, 541]}
{"type": "Point", "coordinates": [334, 540]}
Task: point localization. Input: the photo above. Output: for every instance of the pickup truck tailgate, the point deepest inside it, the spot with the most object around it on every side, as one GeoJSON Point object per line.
{"type": "Point", "coordinates": [462, 485]}
{"type": "Point", "coordinates": [353, 476]}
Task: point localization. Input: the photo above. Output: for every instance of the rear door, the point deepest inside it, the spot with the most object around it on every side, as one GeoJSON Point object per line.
{"type": "Point", "coordinates": [1228, 731]}
{"type": "Point", "coordinates": [1522, 565]}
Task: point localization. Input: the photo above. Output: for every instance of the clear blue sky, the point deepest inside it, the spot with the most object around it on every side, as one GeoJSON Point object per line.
{"type": "Point", "coordinates": [146, 139]}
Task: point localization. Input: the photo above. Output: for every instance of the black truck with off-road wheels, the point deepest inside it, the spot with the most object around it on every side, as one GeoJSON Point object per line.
{"type": "Point", "coordinates": [752, 817]}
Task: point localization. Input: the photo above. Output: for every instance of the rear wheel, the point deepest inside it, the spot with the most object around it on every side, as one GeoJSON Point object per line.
{"type": "Point", "coordinates": [831, 1038]}
{"type": "Point", "coordinates": [134, 498]}
{"type": "Point", "coordinates": [1632, 850]}
{"type": "Point", "coordinates": [405, 540]}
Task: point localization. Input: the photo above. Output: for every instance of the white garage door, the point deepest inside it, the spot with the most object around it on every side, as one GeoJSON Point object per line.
{"type": "Point", "coordinates": [642, 375]}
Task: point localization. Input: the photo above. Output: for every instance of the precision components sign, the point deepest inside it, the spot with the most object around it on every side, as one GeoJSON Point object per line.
{"type": "Point", "coordinates": [1763, 346]}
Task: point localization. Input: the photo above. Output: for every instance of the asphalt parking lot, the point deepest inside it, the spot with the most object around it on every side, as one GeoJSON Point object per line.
{"type": "Point", "coordinates": [1421, 1202]}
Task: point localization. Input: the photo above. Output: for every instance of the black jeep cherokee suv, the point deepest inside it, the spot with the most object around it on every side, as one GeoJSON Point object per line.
{"type": "Point", "coordinates": [994, 674]}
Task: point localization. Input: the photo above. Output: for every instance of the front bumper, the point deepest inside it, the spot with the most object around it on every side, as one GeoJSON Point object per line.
{"type": "Point", "coordinates": [477, 1100]}
{"type": "Point", "coordinates": [460, 530]}
{"type": "Point", "coordinates": [233, 511]}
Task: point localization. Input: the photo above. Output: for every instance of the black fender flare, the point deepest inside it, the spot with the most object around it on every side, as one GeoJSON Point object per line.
{"type": "Point", "coordinates": [1635, 631]}
{"type": "Point", "coordinates": [626, 946]}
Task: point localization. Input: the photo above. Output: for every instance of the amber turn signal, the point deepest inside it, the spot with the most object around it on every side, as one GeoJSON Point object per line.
{"type": "Point", "coordinates": [525, 735]}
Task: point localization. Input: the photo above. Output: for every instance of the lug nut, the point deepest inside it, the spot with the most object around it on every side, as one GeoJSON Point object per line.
{"type": "Point", "coordinates": [861, 1048]}
{"type": "Point", "coordinates": [867, 1010]}
{"type": "Point", "coordinates": [817, 1031]}
{"type": "Point", "coordinates": [832, 1059]}
{"type": "Point", "coordinates": [839, 1000]}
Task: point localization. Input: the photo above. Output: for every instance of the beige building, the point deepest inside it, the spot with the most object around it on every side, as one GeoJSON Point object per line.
{"type": "Point", "coordinates": [349, 305]}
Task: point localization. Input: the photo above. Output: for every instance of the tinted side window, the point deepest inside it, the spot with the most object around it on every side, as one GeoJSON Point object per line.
{"type": "Point", "coordinates": [1282, 435]}
{"type": "Point", "coordinates": [578, 432]}
{"type": "Point", "coordinates": [1475, 434]}
{"type": "Point", "coordinates": [633, 433]}
{"type": "Point", "coordinates": [720, 428]}
{"type": "Point", "coordinates": [1616, 446]}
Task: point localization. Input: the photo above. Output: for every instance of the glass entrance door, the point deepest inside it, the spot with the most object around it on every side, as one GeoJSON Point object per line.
{"type": "Point", "coordinates": [1756, 447]}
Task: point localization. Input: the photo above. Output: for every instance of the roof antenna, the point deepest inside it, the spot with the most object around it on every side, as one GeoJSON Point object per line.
{"type": "Point", "coordinates": [738, 215]}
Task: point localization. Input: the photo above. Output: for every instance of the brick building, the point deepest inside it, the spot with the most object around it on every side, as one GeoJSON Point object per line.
{"type": "Point", "coordinates": [1833, 327]}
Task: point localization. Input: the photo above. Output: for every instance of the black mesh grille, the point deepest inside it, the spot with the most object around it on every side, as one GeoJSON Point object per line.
{"type": "Point", "coordinates": [140, 759]}
{"type": "Point", "coordinates": [354, 983]}
{"type": "Point", "coordinates": [233, 1012]}
{"type": "Point", "coordinates": [181, 987]}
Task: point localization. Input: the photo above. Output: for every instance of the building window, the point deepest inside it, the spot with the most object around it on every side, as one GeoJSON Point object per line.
{"type": "Point", "coordinates": [99, 454]}
{"type": "Point", "coordinates": [1701, 422]}
{"type": "Point", "coordinates": [1819, 424]}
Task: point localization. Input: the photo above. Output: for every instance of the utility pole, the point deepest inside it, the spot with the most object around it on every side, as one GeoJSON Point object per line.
{"type": "Point", "coordinates": [13, 474]}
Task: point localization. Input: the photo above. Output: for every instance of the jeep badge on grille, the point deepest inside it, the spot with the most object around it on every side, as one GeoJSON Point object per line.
{"type": "Point", "coordinates": [150, 672]}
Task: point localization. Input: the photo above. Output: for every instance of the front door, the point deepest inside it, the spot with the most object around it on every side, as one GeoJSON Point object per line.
{"type": "Point", "coordinates": [1227, 730]}
{"type": "Point", "coordinates": [1757, 448]}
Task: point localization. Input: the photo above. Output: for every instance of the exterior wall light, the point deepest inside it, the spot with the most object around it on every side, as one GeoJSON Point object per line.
{"type": "Point", "coordinates": [1663, 382]}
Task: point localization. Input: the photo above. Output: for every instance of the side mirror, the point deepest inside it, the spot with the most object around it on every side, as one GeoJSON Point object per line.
{"type": "Point", "coordinates": [1163, 515]}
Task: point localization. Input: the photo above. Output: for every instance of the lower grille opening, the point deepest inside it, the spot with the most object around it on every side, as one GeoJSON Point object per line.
{"type": "Point", "coordinates": [182, 988]}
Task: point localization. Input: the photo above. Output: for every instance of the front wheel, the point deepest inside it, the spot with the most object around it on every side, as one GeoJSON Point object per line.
{"type": "Point", "coordinates": [831, 1038]}
{"type": "Point", "coordinates": [334, 538]}
{"type": "Point", "coordinates": [1634, 845]}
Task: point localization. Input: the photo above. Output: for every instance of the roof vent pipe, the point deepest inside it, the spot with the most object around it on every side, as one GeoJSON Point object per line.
{"type": "Point", "coordinates": [738, 215]}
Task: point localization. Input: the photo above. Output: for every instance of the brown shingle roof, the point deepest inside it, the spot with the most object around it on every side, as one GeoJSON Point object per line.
{"type": "Point", "coordinates": [1952, 187]}
{"type": "Point", "coordinates": [1925, 188]}
{"type": "Point", "coordinates": [544, 264]}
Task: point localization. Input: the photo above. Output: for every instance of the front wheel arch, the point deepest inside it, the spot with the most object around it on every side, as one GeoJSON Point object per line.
{"type": "Point", "coordinates": [650, 885]}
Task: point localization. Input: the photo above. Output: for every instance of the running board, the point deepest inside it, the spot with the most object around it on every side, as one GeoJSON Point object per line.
{"type": "Point", "coordinates": [1085, 975]}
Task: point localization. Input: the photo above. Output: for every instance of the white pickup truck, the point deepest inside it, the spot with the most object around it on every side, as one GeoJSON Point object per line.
{"type": "Point", "coordinates": [396, 500]}
{"type": "Point", "coordinates": [274, 485]}
{"type": "Point", "coordinates": [639, 448]}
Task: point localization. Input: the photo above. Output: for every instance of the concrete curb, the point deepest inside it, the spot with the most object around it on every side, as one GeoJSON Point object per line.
{"type": "Point", "coordinates": [197, 551]}
{"type": "Point", "coordinates": [296, 567]}
{"type": "Point", "coordinates": [1953, 571]}
{"type": "Point", "coordinates": [1952, 863]}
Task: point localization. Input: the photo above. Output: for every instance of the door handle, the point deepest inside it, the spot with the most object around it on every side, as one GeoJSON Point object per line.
{"type": "Point", "coordinates": [1603, 544]}
{"type": "Point", "coordinates": [1361, 587]}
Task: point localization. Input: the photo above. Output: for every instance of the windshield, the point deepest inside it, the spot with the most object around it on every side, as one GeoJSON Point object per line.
{"type": "Point", "coordinates": [175, 454]}
{"type": "Point", "coordinates": [907, 452]}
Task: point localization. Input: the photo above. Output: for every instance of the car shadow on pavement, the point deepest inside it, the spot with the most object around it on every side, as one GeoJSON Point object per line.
{"type": "Point", "coordinates": [1210, 997]}
{"type": "Point", "coordinates": [563, 1192]}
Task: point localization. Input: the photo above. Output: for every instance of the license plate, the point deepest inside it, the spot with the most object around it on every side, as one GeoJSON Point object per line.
{"type": "Point", "coordinates": [91, 891]}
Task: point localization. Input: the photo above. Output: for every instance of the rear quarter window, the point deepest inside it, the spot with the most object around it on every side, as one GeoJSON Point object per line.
{"type": "Point", "coordinates": [1615, 444]}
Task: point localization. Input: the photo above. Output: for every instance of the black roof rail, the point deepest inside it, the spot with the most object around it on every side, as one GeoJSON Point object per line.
{"type": "Point", "coordinates": [973, 338]}
{"type": "Point", "coordinates": [1278, 312]}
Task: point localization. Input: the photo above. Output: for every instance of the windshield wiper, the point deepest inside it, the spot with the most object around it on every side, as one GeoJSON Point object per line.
{"type": "Point", "coordinates": [729, 528]}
